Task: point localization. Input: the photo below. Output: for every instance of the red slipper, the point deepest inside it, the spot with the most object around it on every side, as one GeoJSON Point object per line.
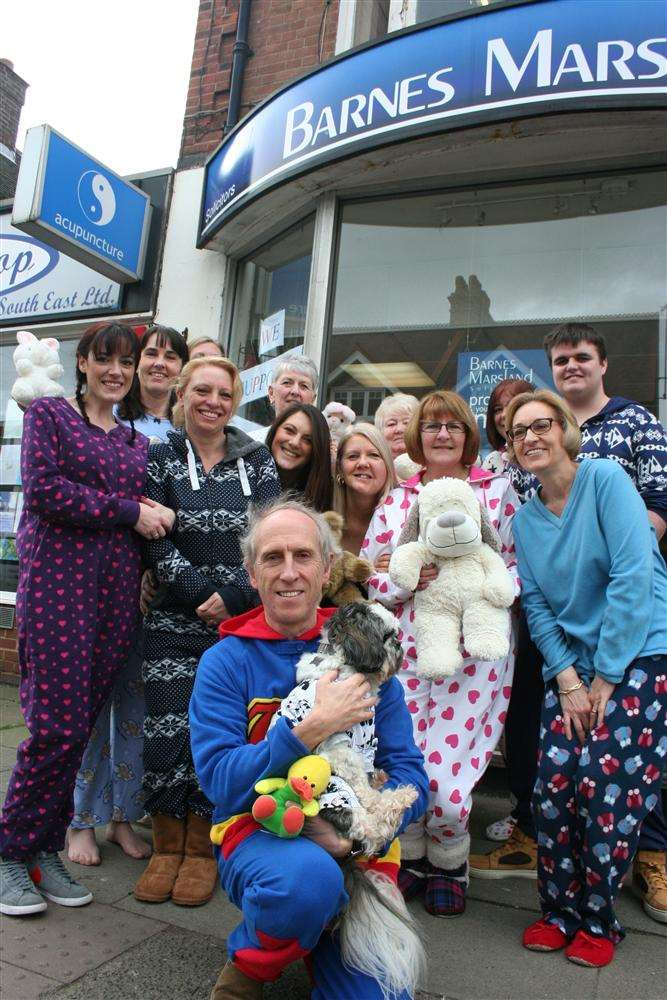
{"type": "Point", "coordinates": [543, 936]}
{"type": "Point", "coordinates": [586, 949]}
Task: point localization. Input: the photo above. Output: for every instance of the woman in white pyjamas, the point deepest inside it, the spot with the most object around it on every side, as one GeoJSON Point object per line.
{"type": "Point", "coordinates": [457, 721]}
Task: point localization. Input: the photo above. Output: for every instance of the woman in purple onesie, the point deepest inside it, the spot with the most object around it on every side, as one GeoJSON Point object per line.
{"type": "Point", "coordinates": [77, 602]}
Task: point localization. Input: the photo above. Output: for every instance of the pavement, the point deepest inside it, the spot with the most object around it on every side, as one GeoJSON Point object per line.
{"type": "Point", "coordinates": [119, 949]}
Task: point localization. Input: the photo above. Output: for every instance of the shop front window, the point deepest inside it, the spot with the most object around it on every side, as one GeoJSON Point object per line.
{"type": "Point", "coordinates": [269, 317]}
{"type": "Point", "coordinates": [458, 289]}
{"type": "Point", "coordinates": [427, 10]}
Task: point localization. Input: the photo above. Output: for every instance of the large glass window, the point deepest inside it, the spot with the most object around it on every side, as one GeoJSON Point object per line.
{"type": "Point", "coordinates": [426, 10]}
{"type": "Point", "coordinates": [457, 289]}
{"type": "Point", "coordinates": [269, 316]}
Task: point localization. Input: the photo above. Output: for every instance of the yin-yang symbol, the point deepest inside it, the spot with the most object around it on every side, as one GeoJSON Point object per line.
{"type": "Point", "coordinates": [96, 198]}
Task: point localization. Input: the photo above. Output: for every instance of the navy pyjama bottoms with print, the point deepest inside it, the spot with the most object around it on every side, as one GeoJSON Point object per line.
{"type": "Point", "coordinates": [589, 801]}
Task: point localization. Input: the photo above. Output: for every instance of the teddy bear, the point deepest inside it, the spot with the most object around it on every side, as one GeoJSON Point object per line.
{"type": "Point", "coordinates": [347, 570]}
{"type": "Point", "coordinates": [339, 417]}
{"type": "Point", "coordinates": [472, 594]}
{"type": "Point", "coordinates": [38, 367]}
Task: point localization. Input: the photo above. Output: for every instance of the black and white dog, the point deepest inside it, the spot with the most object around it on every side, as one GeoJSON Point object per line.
{"type": "Point", "coordinates": [378, 936]}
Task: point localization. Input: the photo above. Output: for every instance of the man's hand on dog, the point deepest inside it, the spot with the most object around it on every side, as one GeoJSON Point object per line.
{"type": "Point", "coordinates": [338, 705]}
{"type": "Point", "coordinates": [323, 833]}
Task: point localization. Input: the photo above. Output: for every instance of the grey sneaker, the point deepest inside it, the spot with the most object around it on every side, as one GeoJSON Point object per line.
{"type": "Point", "coordinates": [53, 880]}
{"type": "Point", "coordinates": [18, 896]}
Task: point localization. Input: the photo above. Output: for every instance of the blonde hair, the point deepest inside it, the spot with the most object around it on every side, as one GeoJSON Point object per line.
{"type": "Point", "coordinates": [399, 402]}
{"type": "Point", "coordinates": [198, 341]}
{"type": "Point", "coordinates": [432, 407]}
{"type": "Point", "coordinates": [564, 415]}
{"type": "Point", "coordinates": [178, 418]}
{"type": "Point", "coordinates": [373, 435]}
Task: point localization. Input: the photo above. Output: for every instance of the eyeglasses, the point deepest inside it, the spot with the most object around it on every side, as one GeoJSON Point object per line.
{"type": "Point", "coordinates": [539, 427]}
{"type": "Point", "coordinates": [435, 426]}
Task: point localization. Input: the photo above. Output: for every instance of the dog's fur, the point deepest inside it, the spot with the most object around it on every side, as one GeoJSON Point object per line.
{"type": "Point", "coordinates": [358, 639]}
{"type": "Point", "coordinates": [378, 936]}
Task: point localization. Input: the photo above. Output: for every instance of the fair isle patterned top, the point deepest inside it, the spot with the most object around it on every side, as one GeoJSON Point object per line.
{"type": "Point", "coordinates": [202, 554]}
{"type": "Point", "coordinates": [629, 434]}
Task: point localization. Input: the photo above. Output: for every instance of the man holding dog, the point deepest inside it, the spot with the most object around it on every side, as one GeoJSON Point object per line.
{"type": "Point", "coordinates": [289, 890]}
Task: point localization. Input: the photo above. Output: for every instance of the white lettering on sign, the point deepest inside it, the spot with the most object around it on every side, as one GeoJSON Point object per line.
{"type": "Point", "coordinates": [272, 332]}
{"type": "Point", "coordinates": [414, 93]}
{"type": "Point", "coordinates": [79, 233]}
{"type": "Point", "coordinates": [539, 60]}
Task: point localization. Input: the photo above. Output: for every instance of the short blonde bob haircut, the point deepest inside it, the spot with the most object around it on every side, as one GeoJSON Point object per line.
{"type": "Point", "coordinates": [373, 435]}
{"type": "Point", "coordinates": [188, 371]}
{"type": "Point", "coordinates": [433, 407]}
{"type": "Point", "coordinates": [397, 403]}
{"type": "Point", "coordinates": [564, 416]}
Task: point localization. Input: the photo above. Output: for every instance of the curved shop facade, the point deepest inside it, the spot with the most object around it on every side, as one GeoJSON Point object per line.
{"type": "Point", "coordinates": [419, 212]}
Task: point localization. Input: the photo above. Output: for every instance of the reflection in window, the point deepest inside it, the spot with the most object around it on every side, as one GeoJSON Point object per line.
{"type": "Point", "coordinates": [269, 315]}
{"type": "Point", "coordinates": [427, 10]}
{"type": "Point", "coordinates": [458, 289]}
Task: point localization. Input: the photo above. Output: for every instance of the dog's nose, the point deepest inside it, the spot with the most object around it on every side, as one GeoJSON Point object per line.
{"type": "Point", "coordinates": [451, 519]}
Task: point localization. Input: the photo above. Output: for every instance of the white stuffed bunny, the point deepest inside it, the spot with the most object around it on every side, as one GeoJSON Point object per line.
{"type": "Point", "coordinates": [473, 591]}
{"type": "Point", "coordinates": [339, 417]}
{"type": "Point", "coordinates": [38, 366]}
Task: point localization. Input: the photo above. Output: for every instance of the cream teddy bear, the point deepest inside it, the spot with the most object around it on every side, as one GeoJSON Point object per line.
{"type": "Point", "coordinates": [38, 366]}
{"type": "Point", "coordinates": [339, 417]}
{"type": "Point", "coordinates": [473, 591]}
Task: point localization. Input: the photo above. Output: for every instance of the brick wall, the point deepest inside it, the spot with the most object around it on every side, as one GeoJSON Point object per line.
{"type": "Point", "coordinates": [9, 666]}
{"type": "Point", "coordinates": [286, 38]}
{"type": "Point", "coordinates": [12, 94]}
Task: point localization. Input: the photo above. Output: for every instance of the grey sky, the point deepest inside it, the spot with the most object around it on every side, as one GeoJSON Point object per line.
{"type": "Point", "coordinates": [110, 76]}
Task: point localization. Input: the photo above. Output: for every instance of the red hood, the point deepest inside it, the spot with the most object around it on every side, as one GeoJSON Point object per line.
{"type": "Point", "coordinates": [253, 625]}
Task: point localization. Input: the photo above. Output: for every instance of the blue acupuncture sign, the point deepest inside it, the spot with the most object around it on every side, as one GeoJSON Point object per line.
{"type": "Point", "coordinates": [77, 205]}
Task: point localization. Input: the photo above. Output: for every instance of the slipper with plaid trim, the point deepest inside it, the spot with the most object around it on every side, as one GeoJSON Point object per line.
{"type": "Point", "coordinates": [445, 894]}
{"type": "Point", "coordinates": [412, 878]}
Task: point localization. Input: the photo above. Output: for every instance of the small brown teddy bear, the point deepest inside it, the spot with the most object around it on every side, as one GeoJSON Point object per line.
{"type": "Point", "coordinates": [347, 570]}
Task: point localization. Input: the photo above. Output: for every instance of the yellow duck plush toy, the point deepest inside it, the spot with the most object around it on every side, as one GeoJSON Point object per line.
{"type": "Point", "coordinates": [284, 803]}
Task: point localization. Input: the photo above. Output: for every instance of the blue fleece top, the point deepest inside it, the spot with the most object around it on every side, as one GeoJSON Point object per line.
{"type": "Point", "coordinates": [594, 585]}
{"type": "Point", "coordinates": [240, 683]}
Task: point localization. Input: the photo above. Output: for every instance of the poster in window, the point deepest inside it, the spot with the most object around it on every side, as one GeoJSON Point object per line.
{"type": "Point", "coordinates": [10, 465]}
{"type": "Point", "coordinates": [479, 372]}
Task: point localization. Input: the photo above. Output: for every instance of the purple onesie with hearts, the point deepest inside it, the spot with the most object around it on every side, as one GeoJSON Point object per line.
{"type": "Point", "coordinates": [77, 604]}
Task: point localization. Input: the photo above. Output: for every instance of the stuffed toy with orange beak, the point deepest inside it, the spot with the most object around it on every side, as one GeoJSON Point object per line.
{"type": "Point", "coordinates": [284, 803]}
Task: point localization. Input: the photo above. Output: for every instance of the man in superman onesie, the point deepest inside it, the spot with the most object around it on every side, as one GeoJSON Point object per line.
{"type": "Point", "coordinates": [289, 891]}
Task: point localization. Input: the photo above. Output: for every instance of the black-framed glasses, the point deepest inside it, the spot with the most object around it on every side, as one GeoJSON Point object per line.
{"type": "Point", "coordinates": [539, 427]}
{"type": "Point", "coordinates": [434, 427]}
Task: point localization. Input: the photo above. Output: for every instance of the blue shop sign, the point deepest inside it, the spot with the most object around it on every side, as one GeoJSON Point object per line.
{"type": "Point", "coordinates": [498, 64]}
{"type": "Point", "coordinates": [76, 204]}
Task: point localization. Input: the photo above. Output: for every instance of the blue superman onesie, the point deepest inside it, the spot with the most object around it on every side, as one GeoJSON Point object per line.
{"type": "Point", "coordinates": [289, 891]}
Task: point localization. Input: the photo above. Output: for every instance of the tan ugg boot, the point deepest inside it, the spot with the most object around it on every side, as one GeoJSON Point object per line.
{"type": "Point", "coordinates": [232, 984]}
{"type": "Point", "coordinates": [157, 881]}
{"type": "Point", "coordinates": [199, 873]}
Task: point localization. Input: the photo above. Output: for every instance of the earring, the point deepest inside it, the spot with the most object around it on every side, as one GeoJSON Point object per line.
{"type": "Point", "coordinates": [340, 480]}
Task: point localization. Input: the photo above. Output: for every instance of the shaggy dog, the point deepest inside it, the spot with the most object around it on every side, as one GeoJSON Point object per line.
{"type": "Point", "coordinates": [377, 934]}
{"type": "Point", "coordinates": [358, 639]}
